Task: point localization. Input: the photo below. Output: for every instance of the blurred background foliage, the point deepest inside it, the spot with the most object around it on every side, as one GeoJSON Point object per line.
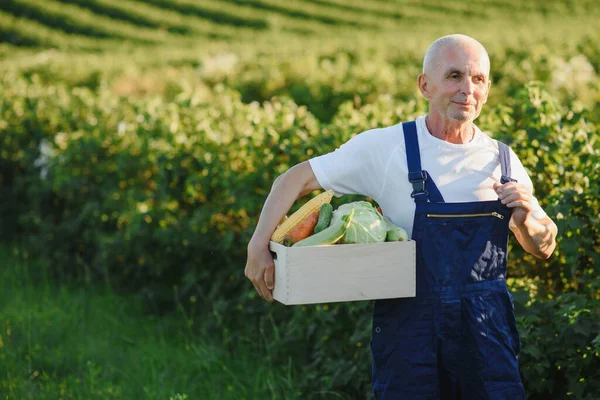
{"type": "Point", "coordinates": [139, 140]}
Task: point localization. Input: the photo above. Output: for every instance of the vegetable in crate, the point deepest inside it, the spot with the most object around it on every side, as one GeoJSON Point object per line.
{"type": "Point", "coordinates": [394, 232]}
{"type": "Point", "coordinates": [301, 224]}
{"type": "Point", "coordinates": [325, 214]}
{"type": "Point", "coordinates": [368, 226]}
{"type": "Point", "coordinates": [330, 235]}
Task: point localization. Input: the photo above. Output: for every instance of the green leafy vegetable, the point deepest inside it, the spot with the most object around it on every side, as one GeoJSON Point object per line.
{"type": "Point", "coordinates": [367, 225]}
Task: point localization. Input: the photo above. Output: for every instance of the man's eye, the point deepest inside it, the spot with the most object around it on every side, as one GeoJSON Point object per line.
{"type": "Point", "coordinates": [479, 79]}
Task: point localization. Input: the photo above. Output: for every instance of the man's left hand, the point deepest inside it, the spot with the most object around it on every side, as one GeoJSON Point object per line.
{"type": "Point", "coordinates": [518, 196]}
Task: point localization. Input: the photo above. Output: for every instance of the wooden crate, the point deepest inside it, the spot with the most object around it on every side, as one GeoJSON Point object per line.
{"type": "Point", "coordinates": [344, 272]}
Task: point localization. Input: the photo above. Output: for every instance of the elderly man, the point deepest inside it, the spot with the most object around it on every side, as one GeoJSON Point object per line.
{"type": "Point", "coordinates": [457, 192]}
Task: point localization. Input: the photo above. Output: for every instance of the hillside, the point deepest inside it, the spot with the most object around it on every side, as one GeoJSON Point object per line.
{"type": "Point", "coordinates": [98, 25]}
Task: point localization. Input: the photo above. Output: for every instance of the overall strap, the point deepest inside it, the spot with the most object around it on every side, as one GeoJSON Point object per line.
{"type": "Point", "coordinates": [424, 189]}
{"type": "Point", "coordinates": [505, 163]}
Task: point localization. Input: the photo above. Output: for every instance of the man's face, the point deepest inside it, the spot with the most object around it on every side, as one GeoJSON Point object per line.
{"type": "Point", "coordinates": [458, 85]}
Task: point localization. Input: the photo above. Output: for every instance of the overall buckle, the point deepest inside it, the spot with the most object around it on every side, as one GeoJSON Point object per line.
{"type": "Point", "coordinates": [417, 179]}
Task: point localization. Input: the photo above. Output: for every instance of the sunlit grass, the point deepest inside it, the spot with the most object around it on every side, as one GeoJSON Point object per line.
{"type": "Point", "coordinates": [68, 342]}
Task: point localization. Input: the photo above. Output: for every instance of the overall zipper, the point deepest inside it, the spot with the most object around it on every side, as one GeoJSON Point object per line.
{"type": "Point", "coordinates": [492, 214]}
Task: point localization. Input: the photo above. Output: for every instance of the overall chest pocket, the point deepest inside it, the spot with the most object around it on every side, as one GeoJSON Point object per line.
{"type": "Point", "coordinates": [465, 247]}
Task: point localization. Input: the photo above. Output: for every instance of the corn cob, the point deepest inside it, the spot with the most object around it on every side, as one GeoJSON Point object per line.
{"type": "Point", "coordinates": [306, 211]}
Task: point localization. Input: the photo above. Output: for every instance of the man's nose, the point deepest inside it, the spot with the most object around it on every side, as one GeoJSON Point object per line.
{"type": "Point", "coordinates": [467, 86]}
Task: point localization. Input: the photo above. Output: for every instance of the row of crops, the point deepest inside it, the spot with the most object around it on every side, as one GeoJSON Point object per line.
{"type": "Point", "coordinates": [320, 78]}
{"type": "Point", "coordinates": [101, 24]}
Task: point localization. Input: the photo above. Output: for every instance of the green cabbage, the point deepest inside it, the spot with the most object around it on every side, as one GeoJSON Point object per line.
{"type": "Point", "coordinates": [367, 225]}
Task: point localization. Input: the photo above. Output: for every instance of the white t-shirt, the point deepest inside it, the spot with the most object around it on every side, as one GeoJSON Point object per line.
{"type": "Point", "coordinates": [373, 164]}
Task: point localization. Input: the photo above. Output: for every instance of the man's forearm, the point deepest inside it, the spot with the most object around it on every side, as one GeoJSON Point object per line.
{"type": "Point", "coordinates": [286, 189]}
{"type": "Point", "coordinates": [537, 236]}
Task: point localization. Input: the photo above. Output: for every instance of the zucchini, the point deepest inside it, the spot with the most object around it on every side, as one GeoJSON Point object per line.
{"type": "Point", "coordinates": [325, 214]}
{"type": "Point", "coordinates": [329, 235]}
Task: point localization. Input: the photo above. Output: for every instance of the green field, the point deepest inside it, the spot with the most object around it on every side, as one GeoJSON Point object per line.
{"type": "Point", "coordinates": [139, 140]}
{"type": "Point", "coordinates": [79, 23]}
{"type": "Point", "coordinates": [86, 342]}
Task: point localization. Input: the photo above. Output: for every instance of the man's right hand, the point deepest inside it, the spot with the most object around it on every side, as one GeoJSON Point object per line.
{"type": "Point", "coordinates": [260, 269]}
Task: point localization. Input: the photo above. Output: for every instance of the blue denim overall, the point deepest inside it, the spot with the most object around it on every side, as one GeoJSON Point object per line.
{"type": "Point", "coordinates": [457, 339]}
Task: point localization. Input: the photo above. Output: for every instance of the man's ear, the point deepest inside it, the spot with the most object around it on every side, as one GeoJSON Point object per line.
{"type": "Point", "coordinates": [423, 85]}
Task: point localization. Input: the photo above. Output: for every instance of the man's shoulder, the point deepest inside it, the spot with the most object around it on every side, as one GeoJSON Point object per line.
{"type": "Point", "coordinates": [486, 139]}
{"type": "Point", "coordinates": [393, 132]}
{"type": "Point", "coordinates": [385, 130]}
{"type": "Point", "coordinates": [381, 136]}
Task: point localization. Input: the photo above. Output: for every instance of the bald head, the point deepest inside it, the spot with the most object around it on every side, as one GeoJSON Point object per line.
{"type": "Point", "coordinates": [434, 57]}
{"type": "Point", "coordinates": [455, 80]}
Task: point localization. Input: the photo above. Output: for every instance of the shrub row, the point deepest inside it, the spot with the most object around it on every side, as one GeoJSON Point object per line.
{"type": "Point", "coordinates": [73, 19]}
{"type": "Point", "coordinates": [26, 33]}
{"type": "Point", "coordinates": [321, 76]}
{"type": "Point", "coordinates": [138, 14]}
{"type": "Point", "coordinates": [215, 14]}
{"type": "Point", "coordinates": [161, 197]}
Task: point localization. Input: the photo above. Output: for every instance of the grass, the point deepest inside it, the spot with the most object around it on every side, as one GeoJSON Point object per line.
{"type": "Point", "coordinates": [72, 341]}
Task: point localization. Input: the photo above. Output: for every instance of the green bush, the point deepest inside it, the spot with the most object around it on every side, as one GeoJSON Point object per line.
{"type": "Point", "coordinates": [560, 354]}
{"type": "Point", "coordinates": [160, 198]}
{"type": "Point", "coordinates": [561, 151]}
